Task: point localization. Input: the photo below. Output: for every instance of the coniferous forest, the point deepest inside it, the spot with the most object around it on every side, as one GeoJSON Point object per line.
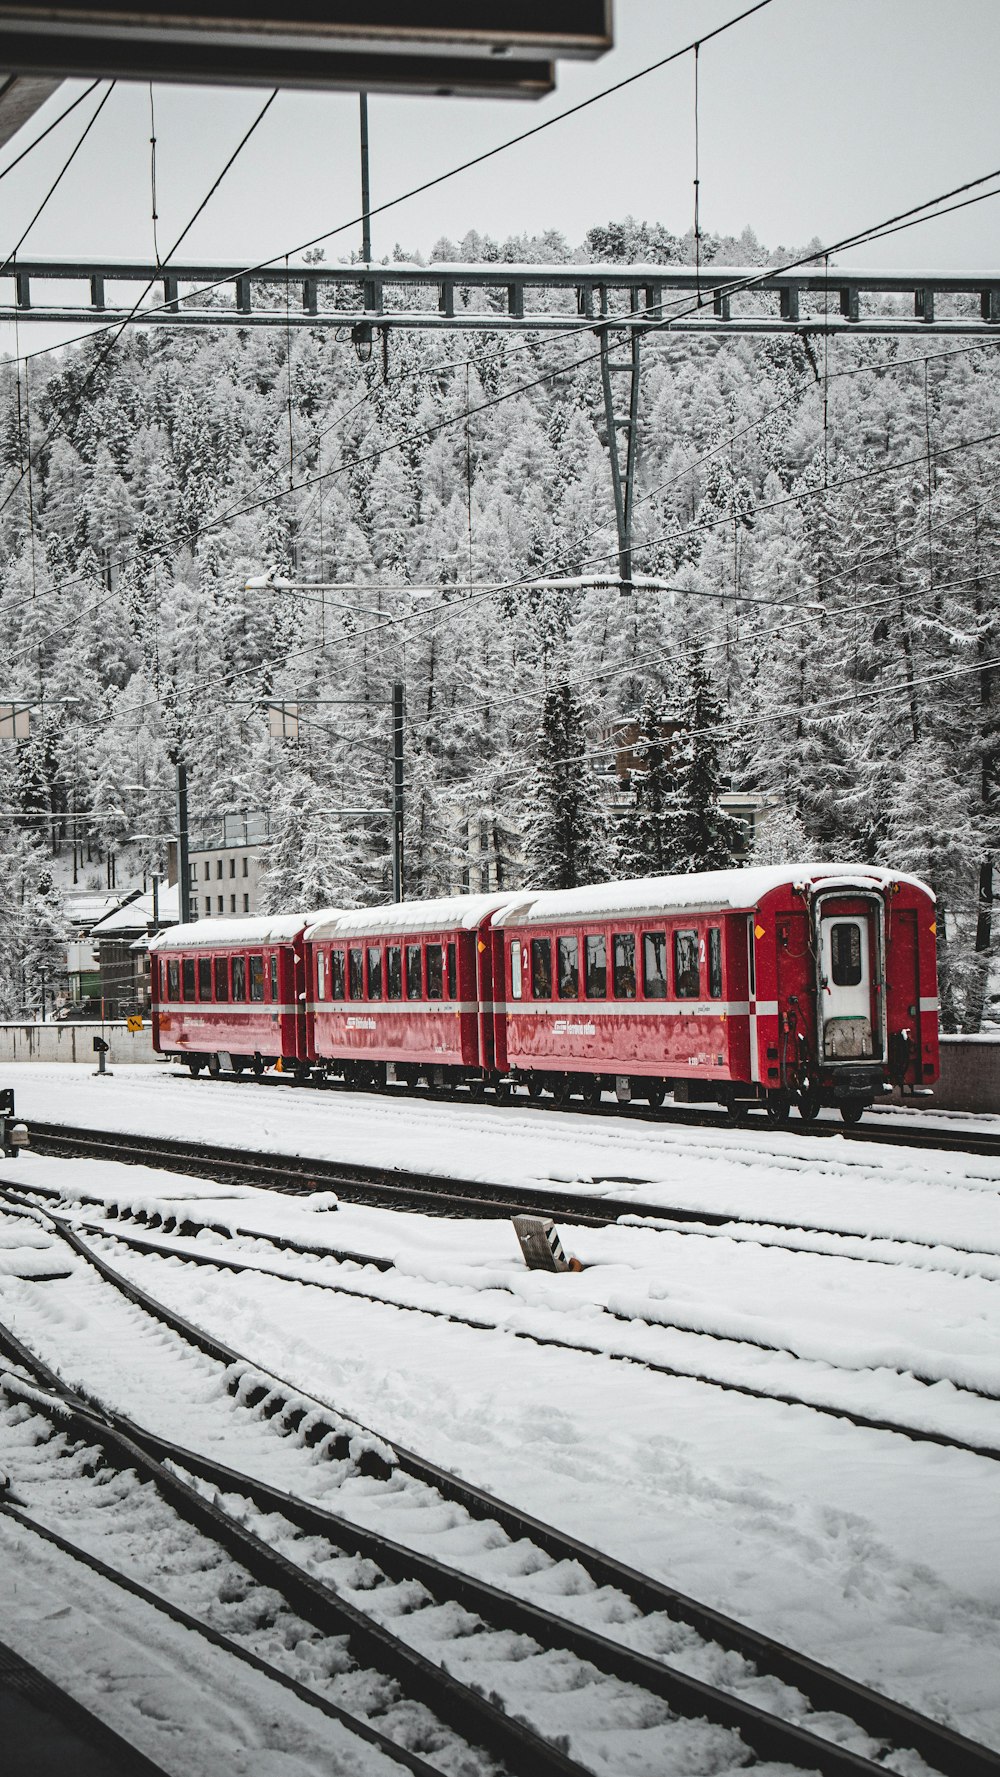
{"type": "Point", "coordinates": [824, 513]}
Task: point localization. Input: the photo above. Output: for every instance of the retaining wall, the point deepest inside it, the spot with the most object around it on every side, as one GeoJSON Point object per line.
{"type": "Point", "coordinates": [74, 1041]}
{"type": "Point", "coordinates": [970, 1074]}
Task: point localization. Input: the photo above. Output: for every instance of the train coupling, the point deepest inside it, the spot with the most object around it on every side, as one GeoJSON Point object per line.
{"type": "Point", "coordinates": [13, 1133]}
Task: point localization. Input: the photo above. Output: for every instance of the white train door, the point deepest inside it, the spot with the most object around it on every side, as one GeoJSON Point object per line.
{"type": "Point", "coordinates": [847, 942]}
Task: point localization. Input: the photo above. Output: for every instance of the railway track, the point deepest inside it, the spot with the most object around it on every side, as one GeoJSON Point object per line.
{"type": "Point", "coordinates": [879, 1134]}
{"type": "Point", "coordinates": [814, 1393]}
{"type": "Point", "coordinates": [799, 1695]}
{"type": "Point", "coordinates": [395, 1188]}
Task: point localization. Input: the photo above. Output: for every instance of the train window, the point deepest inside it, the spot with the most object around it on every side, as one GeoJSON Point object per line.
{"type": "Point", "coordinates": [435, 972]}
{"type": "Point", "coordinates": [715, 962]}
{"type": "Point", "coordinates": [321, 974]}
{"type": "Point", "coordinates": [687, 974]}
{"type": "Point", "coordinates": [596, 974]}
{"type": "Point", "coordinates": [394, 972]}
{"type": "Point", "coordinates": [374, 972]}
{"type": "Point", "coordinates": [173, 981]}
{"type": "Point", "coordinates": [623, 950]}
{"type": "Point", "coordinates": [654, 965]}
{"type": "Point", "coordinates": [845, 953]}
{"type": "Point", "coordinates": [541, 968]}
{"type": "Point", "coordinates": [239, 978]}
{"type": "Point", "coordinates": [187, 978]}
{"type": "Point", "coordinates": [204, 977]}
{"type": "Point", "coordinates": [515, 969]}
{"type": "Point", "coordinates": [222, 978]}
{"type": "Point", "coordinates": [452, 972]}
{"type": "Point", "coordinates": [355, 973]}
{"type": "Point", "coordinates": [568, 965]}
{"type": "Point", "coordinates": [336, 974]}
{"type": "Point", "coordinates": [274, 975]}
{"type": "Point", "coordinates": [256, 977]}
{"type": "Point", "coordinates": [414, 977]}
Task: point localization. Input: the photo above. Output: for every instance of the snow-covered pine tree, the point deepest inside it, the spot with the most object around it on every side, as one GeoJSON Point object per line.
{"type": "Point", "coordinates": [706, 837]}
{"type": "Point", "coordinates": [565, 839]}
{"type": "Point", "coordinates": [647, 836]}
{"type": "Point", "coordinates": [309, 863]}
{"type": "Point", "coordinates": [29, 920]}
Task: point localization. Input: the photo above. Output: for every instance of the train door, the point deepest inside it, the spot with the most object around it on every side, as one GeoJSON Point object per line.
{"type": "Point", "coordinates": [851, 996]}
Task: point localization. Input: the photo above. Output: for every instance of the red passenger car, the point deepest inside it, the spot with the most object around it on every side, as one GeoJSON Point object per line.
{"type": "Point", "coordinates": [802, 984]}
{"type": "Point", "coordinates": [230, 992]}
{"type": "Point", "coordinates": [404, 992]}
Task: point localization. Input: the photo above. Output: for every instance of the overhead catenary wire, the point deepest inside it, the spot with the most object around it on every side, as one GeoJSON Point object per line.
{"type": "Point", "coordinates": [54, 125]}
{"type": "Point", "coordinates": [57, 181]}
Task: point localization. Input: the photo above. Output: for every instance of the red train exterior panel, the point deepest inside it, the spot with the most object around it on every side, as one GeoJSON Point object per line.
{"type": "Point", "coordinates": [230, 987]}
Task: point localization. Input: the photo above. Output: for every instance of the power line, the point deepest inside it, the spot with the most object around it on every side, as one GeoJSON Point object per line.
{"type": "Point", "coordinates": [63, 170]}
{"type": "Point", "coordinates": [52, 126]}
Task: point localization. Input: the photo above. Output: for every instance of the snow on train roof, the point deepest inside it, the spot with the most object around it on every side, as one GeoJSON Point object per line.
{"type": "Point", "coordinates": [651, 895]}
{"type": "Point", "coordinates": [277, 928]}
{"type": "Point", "coordinates": [449, 913]}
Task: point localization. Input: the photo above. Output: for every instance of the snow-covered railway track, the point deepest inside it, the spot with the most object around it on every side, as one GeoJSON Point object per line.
{"type": "Point", "coordinates": [932, 1137]}
{"type": "Point", "coordinates": [649, 1613]}
{"type": "Point", "coordinates": [797, 1382]}
{"type": "Point", "coordinates": [433, 1194]}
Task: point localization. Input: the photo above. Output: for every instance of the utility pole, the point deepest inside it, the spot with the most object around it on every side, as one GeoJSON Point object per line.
{"type": "Point", "coordinates": [397, 792]}
{"type": "Point", "coordinates": [183, 867]}
{"type": "Point", "coordinates": [366, 196]}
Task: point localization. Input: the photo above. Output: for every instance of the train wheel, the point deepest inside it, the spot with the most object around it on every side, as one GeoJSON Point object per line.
{"type": "Point", "coordinates": [778, 1107]}
{"type": "Point", "coordinates": [477, 1090]}
{"type": "Point", "coordinates": [852, 1111]}
{"type": "Point", "coordinates": [503, 1091]}
{"type": "Point", "coordinates": [257, 1066]}
{"type": "Point", "coordinates": [654, 1093]}
{"type": "Point", "coordinates": [535, 1087]}
{"type": "Point", "coordinates": [737, 1110]}
{"type": "Point", "coordinates": [562, 1088]}
{"type": "Point", "coordinates": [214, 1066]}
{"type": "Point", "coordinates": [808, 1104]}
{"type": "Point", "coordinates": [194, 1066]}
{"type": "Point", "coordinates": [592, 1092]}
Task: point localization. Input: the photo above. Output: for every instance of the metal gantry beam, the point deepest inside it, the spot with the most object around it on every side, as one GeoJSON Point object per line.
{"type": "Point", "coordinates": [497, 298]}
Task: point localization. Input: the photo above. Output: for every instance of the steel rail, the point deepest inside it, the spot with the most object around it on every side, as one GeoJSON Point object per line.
{"type": "Point", "coordinates": [880, 1716]}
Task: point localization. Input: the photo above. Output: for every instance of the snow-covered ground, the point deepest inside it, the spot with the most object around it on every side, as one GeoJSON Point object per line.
{"type": "Point", "coordinates": [875, 1553]}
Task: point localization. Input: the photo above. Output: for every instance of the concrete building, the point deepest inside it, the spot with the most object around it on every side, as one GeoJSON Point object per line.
{"type": "Point", "coordinates": [225, 857]}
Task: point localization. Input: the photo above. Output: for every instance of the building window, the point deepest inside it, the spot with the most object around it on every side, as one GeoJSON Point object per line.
{"type": "Point", "coordinates": [623, 948]}
{"type": "Point", "coordinates": [218, 867]}
{"type": "Point", "coordinates": [435, 972]}
{"type": "Point", "coordinates": [239, 978]}
{"type": "Point", "coordinates": [654, 965]}
{"type": "Point", "coordinates": [256, 977]}
{"type": "Point", "coordinates": [232, 903]}
{"type": "Point", "coordinates": [232, 866]}
{"type": "Point", "coordinates": [246, 866]}
{"type": "Point", "coordinates": [568, 965]}
{"type": "Point", "coordinates": [541, 969]}
{"type": "Point", "coordinates": [222, 904]}
{"type": "Point", "coordinates": [394, 972]}
{"type": "Point", "coordinates": [355, 974]}
{"type": "Point", "coordinates": [715, 962]}
{"type": "Point", "coordinates": [204, 977]}
{"type": "Point", "coordinates": [374, 972]}
{"type": "Point", "coordinates": [414, 977]}
{"type": "Point", "coordinates": [246, 903]}
{"type": "Point", "coordinates": [222, 978]}
{"type": "Point", "coordinates": [208, 872]}
{"type": "Point", "coordinates": [596, 979]}
{"type": "Point", "coordinates": [192, 872]}
{"type": "Point", "coordinates": [687, 974]}
{"type": "Point", "coordinates": [208, 903]}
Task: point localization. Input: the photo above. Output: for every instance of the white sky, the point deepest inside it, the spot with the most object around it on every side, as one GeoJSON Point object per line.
{"type": "Point", "coordinates": [817, 117]}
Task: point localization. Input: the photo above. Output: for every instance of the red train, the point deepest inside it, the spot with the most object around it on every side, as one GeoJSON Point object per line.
{"type": "Point", "coordinates": [799, 985]}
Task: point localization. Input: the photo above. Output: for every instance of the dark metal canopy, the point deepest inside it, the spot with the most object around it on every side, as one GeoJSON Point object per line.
{"type": "Point", "coordinates": [493, 47]}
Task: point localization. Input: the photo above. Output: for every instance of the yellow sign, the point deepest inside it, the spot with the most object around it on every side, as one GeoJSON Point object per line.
{"type": "Point", "coordinates": [134, 1024]}
{"type": "Point", "coordinates": [758, 931]}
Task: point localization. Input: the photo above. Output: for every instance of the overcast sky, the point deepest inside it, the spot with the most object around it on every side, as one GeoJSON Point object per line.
{"type": "Point", "coordinates": [817, 117]}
